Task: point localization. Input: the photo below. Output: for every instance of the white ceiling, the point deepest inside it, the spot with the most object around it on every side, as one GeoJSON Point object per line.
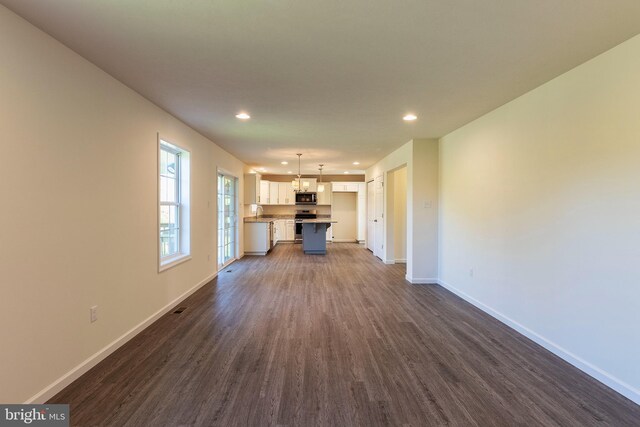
{"type": "Point", "coordinates": [332, 79]}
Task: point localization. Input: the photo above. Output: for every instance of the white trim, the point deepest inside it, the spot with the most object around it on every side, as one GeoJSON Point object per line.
{"type": "Point", "coordinates": [259, 253]}
{"type": "Point", "coordinates": [401, 261]}
{"type": "Point", "coordinates": [231, 261]}
{"type": "Point", "coordinates": [58, 385]}
{"type": "Point", "coordinates": [604, 377]}
{"type": "Point", "coordinates": [185, 237]}
{"type": "Point", "coordinates": [238, 218]}
{"type": "Point", "coordinates": [171, 262]}
{"type": "Point", "coordinates": [389, 261]}
{"type": "Point", "coordinates": [420, 281]}
{"type": "Point", "coordinates": [344, 240]}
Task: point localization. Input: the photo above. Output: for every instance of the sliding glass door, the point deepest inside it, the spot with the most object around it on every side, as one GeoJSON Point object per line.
{"type": "Point", "coordinates": [227, 219]}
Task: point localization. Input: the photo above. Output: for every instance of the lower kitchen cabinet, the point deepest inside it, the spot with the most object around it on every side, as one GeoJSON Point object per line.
{"type": "Point", "coordinates": [290, 230]}
{"type": "Point", "coordinates": [285, 230]}
{"type": "Point", "coordinates": [257, 237]}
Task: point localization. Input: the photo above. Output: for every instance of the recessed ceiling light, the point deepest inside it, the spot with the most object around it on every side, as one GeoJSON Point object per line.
{"type": "Point", "coordinates": [289, 172]}
{"type": "Point", "coordinates": [284, 163]}
{"type": "Point", "coordinates": [346, 172]}
{"type": "Point", "coordinates": [409, 117]}
{"type": "Point", "coordinates": [262, 169]}
{"type": "Point", "coordinates": [356, 163]}
{"type": "Point", "coordinates": [243, 116]}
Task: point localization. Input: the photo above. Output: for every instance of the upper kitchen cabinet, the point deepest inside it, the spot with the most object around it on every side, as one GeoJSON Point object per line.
{"type": "Point", "coordinates": [324, 197]}
{"type": "Point", "coordinates": [264, 192]}
{"type": "Point", "coordinates": [286, 195]}
{"type": "Point", "coordinates": [308, 185]}
{"type": "Point", "coordinates": [274, 194]}
{"type": "Point", "coordinates": [345, 187]}
{"type": "Point", "coordinates": [252, 188]}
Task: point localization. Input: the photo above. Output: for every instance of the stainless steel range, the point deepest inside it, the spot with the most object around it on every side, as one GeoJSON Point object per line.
{"type": "Point", "coordinates": [303, 214]}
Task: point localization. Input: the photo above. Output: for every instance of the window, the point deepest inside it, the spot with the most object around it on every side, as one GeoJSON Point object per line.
{"type": "Point", "coordinates": [174, 215]}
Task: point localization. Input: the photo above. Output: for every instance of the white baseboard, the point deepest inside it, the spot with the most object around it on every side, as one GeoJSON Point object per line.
{"type": "Point", "coordinates": [401, 261]}
{"type": "Point", "coordinates": [421, 281]}
{"type": "Point", "coordinates": [389, 261]}
{"type": "Point", "coordinates": [344, 241]}
{"type": "Point", "coordinates": [75, 373]}
{"type": "Point", "coordinates": [604, 377]}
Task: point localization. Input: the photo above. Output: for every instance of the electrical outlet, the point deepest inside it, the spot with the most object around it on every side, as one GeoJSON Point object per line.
{"type": "Point", "coordinates": [93, 312]}
{"type": "Point", "coordinates": [209, 257]}
{"type": "Point", "coordinates": [427, 204]}
{"type": "Point", "coordinates": [471, 272]}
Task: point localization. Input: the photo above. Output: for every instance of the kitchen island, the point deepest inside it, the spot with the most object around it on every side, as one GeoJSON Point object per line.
{"type": "Point", "coordinates": [262, 232]}
{"type": "Point", "coordinates": [314, 232]}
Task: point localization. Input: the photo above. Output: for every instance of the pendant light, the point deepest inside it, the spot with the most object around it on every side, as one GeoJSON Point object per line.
{"type": "Point", "coordinates": [296, 184]}
{"type": "Point", "coordinates": [320, 184]}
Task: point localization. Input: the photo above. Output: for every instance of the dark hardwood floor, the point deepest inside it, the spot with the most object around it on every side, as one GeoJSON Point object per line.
{"type": "Point", "coordinates": [342, 339]}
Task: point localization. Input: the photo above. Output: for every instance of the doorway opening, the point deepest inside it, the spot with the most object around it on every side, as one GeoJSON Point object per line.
{"type": "Point", "coordinates": [396, 252]}
{"type": "Point", "coordinates": [344, 210]}
{"type": "Point", "coordinates": [227, 219]}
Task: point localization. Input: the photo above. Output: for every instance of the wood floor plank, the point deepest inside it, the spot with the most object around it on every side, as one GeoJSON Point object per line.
{"type": "Point", "coordinates": [342, 339]}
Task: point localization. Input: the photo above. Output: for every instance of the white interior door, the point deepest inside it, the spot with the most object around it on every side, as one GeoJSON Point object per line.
{"type": "Point", "coordinates": [378, 201]}
{"type": "Point", "coordinates": [371, 216]}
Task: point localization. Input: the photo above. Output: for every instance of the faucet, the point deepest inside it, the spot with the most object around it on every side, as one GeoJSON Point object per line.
{"type": "Point", "coordinates": [259, 207]}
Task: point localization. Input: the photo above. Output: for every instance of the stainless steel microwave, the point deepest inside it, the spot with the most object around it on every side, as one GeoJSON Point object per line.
{"type": "Point", "coordinates": [306, 198]}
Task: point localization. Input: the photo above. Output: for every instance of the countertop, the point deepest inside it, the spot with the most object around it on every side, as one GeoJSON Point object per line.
{"type": "Point", "coordinates": [317, 221]}
{"type": "Point", "coordinates": [268, 218]}
{"type": "Point", "coordinates": [322, 219]}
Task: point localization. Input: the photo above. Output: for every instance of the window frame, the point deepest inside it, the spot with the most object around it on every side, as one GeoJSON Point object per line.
{"type": "Point", "coordinates": [183, 190]}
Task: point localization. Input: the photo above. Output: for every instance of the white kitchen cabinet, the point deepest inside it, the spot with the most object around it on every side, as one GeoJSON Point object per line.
{"type": "Point", "coordinates": [345, 187]}
{"type": "Point", "coordinates": [251, 188]}
{"type": "Point", "coordinates": [273, 193]}
{"type": "Point", "coordinates": [286, 195]}
{"type": "Point", "coordinates": [324, 198]}
{"type": "Point", "coordinates": [308, 185]}
{"type": "Point", "coordinates": [290, 230]}
{"type": "Point", "coordinates": [264, 192]}
{"type": "Point", "coordinates": [257, 238]}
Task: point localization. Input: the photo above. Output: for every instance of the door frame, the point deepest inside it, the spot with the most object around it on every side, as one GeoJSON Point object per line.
{"type": "Point", "coordinates": [236, 249]}
{"type": "Point", "coordinates": [370, 243]}
{"type": "Point", "coordinates": [378, 248]}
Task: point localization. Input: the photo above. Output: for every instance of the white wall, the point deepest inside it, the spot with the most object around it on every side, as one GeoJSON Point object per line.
{"type": "Point", "coordinates": [423, 237]}
{"type": "Point", "coordinates": [420, 156]}
{"type": "Point", "coordinates": [541, 198]}
{"type": "Point", "coordinates": [78, 186]}
{"type": "Point", "coordinates": [400, 214]}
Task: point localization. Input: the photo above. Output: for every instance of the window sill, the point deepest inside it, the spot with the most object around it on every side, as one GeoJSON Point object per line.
{"type": "Point", "coordinates": [171, 262]}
